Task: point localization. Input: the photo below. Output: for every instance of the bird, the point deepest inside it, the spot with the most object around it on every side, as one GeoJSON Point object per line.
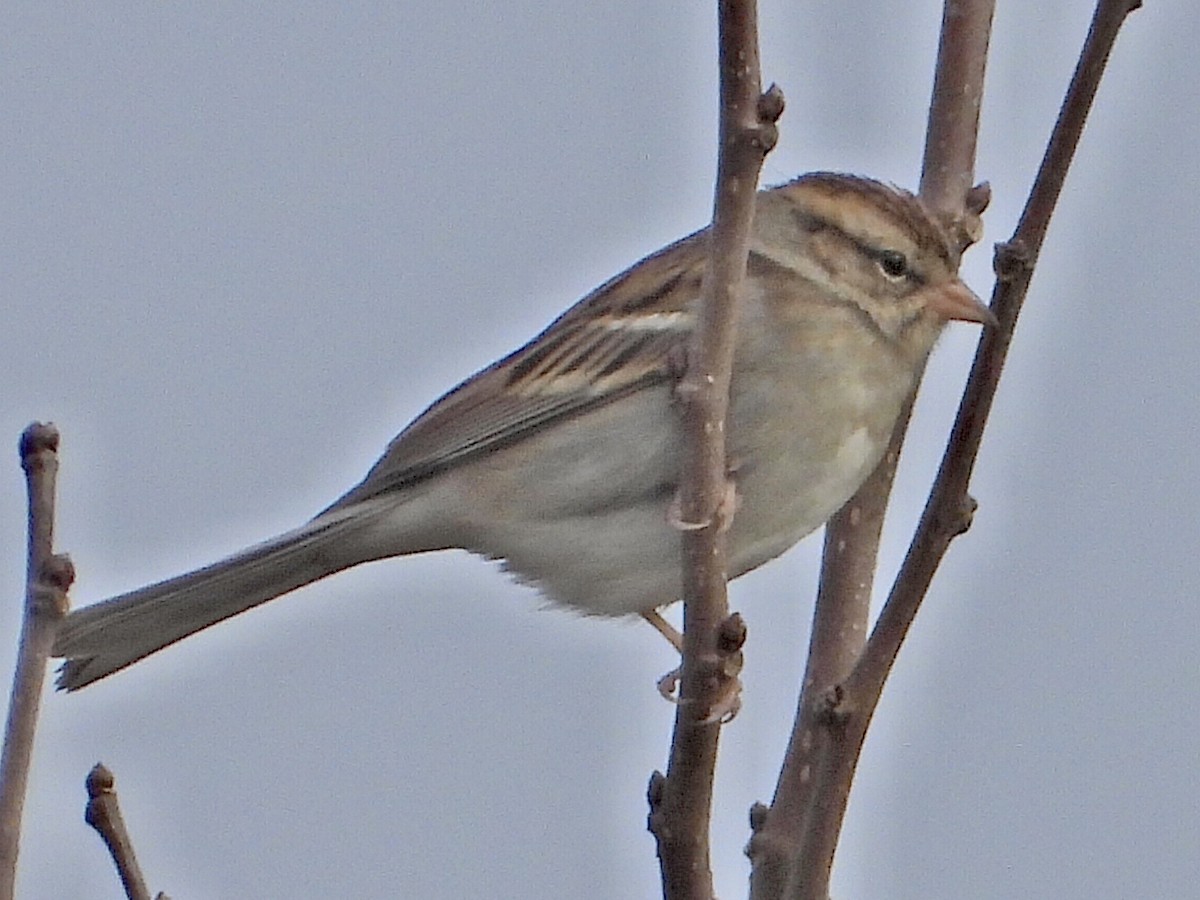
{"type": "Point", "coordinates": [561, 460]}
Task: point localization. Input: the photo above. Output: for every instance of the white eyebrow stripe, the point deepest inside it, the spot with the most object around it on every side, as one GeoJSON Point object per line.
{"type": "Point", "coordinates": [660, 321]}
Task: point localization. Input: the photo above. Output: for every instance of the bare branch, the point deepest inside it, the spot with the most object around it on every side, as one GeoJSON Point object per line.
{"type": "Point", "coordinates": [795, 843]}
{"type": "Point", "coordinates": [834, 715]}
{"type": "Point", "coordinates": [947, 172]}
{"type": "Point", "coordinates": [103, 813]}
{"type": "Point", "coordinates": [681, 802]}
{"type": "Point", "coordinates": [948, 510]}
{"type": "Point", "coordinates": [793, 847]}
{"type": "Point", "coordinates": [47, 579]}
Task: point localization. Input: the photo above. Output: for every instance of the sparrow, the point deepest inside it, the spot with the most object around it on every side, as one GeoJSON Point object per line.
{"type": "Point", "coordinates": [562, 459]}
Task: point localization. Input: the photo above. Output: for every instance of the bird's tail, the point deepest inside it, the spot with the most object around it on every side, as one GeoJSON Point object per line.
{"type": "Point", "coordinates": [106, 637]}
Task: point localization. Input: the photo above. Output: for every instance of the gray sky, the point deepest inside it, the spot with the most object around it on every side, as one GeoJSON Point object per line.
{"type": "Point", "coordinates": [246, 243]}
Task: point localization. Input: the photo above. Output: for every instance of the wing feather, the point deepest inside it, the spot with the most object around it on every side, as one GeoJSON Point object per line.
{"type": "Point", "coordinates": [618, 339]}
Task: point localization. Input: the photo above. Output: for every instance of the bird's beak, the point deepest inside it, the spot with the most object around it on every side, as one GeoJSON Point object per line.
{"type": "Point", "coordinates": [954, 300]}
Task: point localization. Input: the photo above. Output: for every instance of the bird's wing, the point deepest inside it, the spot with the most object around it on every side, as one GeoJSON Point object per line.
{"type": "Point", "coordinates": [623, 337]}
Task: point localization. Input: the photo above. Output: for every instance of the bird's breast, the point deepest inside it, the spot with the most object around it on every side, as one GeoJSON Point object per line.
{"type": "Point", "coordinates": [799, 454]}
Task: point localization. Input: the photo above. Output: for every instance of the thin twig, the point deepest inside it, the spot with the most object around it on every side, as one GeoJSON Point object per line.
{"type": "Point", "coordinates": [681, 802]}
{"type": "Point", "coordinates": [46, 582]}
{"type": "Point", "coordinates": [103, 813]}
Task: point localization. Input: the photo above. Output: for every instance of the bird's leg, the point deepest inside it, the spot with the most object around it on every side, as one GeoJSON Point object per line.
{"type": "Point", "coordinates": [669, 682]}
{"type": "Point", "coordinates": [665, 628]}
{"type": "Point", "coordinates": [723, 515]}
{"type": "Point", "coordinates": [727, 663]}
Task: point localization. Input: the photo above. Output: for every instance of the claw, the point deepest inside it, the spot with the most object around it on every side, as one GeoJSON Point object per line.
{"type": "Point", "coordinates": [675, 517]}
{"type": "Point", "coordinates": [668, 685]}
{"type": "Point", "coordinates": [728, 705]}
{"type": "Point", "coordinates": [726, 507]}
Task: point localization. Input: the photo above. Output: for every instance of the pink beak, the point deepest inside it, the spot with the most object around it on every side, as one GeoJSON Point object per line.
{"type": "Point", "coordinates": [954, 300]}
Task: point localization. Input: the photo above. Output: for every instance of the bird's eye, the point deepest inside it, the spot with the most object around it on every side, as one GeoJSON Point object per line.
{"type": "Point", "coordinates": [893, 263]}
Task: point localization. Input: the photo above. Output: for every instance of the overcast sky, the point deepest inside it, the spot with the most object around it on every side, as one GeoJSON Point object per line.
{"type": "Point", "coordinates": [244, 244]}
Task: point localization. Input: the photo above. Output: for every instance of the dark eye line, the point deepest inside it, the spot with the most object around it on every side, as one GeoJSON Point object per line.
{"type": "Point", "coordinates": [810, 223]}
{"type": "Point", "coordinates": [813, 224]}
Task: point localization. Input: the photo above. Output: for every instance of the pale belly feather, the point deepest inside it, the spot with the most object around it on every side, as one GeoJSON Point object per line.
{"type": "Point", "coordinates": [588, 526]}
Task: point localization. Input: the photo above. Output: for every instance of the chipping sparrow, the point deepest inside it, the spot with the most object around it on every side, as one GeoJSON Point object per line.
{"type": "Point", "coordinates": [562, 459]}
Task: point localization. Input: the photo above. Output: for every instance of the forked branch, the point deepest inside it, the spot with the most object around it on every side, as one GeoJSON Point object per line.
{"type": "Point", "coordinates": [795, 839]}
